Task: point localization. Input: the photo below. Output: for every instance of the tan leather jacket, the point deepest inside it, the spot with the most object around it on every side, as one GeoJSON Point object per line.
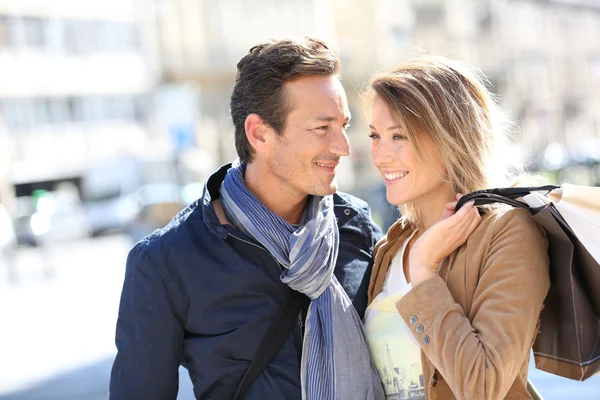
{"type": "Point", "coordinates": [478, 319]}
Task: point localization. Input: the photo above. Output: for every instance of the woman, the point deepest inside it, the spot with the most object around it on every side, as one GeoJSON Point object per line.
{"type": "Point", "coordinates": [454, 297]}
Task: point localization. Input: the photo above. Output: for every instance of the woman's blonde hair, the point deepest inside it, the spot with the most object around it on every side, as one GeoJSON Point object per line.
{"type": "Point", "coordinates": [449, 102]}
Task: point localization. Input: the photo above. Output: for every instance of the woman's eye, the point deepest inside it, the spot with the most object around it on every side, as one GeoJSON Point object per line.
{"type": "Point", "coordinates": [373, 136]}
{"type": "Point", "coordinates": [399, 137]}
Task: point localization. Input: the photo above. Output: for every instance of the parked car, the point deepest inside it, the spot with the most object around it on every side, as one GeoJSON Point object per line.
{"type": "Point", "coordinates": [50, 217]}
{"type": "Point", "coordinates": [69, 219]}
{"type": "Point", "coordinates": [111, 214]}
{"type": "Point", "coordinates": [8, 238]}
{"type": "Point", "coordinates": [158, 204]}
{"type": "Point", "coordinates": [107, 189]}
{"type": "Point", "coordinates": [8, 244]}
{"type": "Point", "coordinates": [27, 227]}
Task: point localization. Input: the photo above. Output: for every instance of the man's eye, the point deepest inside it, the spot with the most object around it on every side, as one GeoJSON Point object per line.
{"type": "Point", "coordinates": [323, 128]}
{"type": "Point", "coordinates": [346, 126]}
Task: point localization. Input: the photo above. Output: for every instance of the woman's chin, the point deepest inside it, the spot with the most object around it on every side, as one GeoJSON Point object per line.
{"type": "Point", "coordinates": [396, 200]}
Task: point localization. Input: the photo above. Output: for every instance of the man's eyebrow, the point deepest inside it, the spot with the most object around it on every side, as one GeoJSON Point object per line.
{"type": "Point", "coordinates": [328, 119]}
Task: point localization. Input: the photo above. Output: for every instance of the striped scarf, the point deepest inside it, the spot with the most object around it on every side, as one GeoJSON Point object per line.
{"type": "Point", "coordinates": [335, 356]}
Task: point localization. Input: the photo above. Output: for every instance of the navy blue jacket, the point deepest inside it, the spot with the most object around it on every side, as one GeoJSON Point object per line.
{"type": "Point", "coordinates": [204, 295]}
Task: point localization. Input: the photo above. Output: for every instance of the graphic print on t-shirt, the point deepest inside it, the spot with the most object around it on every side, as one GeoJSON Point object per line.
{"type": "Point", "coordinates": [394, 350]}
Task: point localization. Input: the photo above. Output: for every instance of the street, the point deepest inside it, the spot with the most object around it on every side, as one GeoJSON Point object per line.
{"type": "Point", "coordinates": [58, 321]}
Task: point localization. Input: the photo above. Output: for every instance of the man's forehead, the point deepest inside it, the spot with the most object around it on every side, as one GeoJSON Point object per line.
{"type": "Point", "coordinates": [318, 98]}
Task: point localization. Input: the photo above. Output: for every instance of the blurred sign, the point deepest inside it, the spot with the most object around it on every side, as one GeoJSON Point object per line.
{"type": "Point", "coordinates": [183, 136]}
{"type": "Point", "coordinates": [177, 108]}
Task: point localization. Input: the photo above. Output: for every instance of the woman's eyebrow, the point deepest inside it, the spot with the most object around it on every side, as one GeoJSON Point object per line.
{"type": "Point", "coordinates": [391, 128]}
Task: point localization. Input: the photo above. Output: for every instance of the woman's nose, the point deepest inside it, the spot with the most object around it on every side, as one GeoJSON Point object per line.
{"type": "Point", "coordinates": [382, 154]}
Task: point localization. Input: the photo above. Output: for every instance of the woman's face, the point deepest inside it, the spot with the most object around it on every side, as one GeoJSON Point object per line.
{"type": "Point", "coordinates": [407, 179]}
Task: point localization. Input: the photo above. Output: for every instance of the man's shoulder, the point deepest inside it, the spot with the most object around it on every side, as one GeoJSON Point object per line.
{"type": "Point", "coordinates": [348, 200]}
{"type": "Point", "coordinates": [355, 213]}
{"type": "Point", "coordinates": [176, 234]}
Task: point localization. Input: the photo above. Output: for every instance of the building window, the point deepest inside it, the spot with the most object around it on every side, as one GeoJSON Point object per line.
{"type": "Point", "coordinates": [80, 37]}
{"type": "Point", "coordinates": [30, 113]}
{"type": "Point", "coordinates": [94, 108]}
{"type": "Point", "coordinates": [118, 37]}
{"type": "Point", "coordinates": [77, 37]}
{"type": "Point", "coordinates": [140, 109]}
{"type": "Point", "coordinates": [41, 111]}
{"type": "Point", "coordinates": [118, 108]}
{"type": "Point", "coordinates": [77, 109]}
{"type": "Point", "coordinates": [33, 32]}
{"type": "Point", "coordinates": [18, 114]}
{"type": "Point", "coordinates": [8, 37]}
{"type": "Point", "coordinates": [59, 111]}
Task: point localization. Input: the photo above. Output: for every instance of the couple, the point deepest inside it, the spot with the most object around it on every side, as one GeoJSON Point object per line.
{"type": "Point", "coordinates": [449, 300]}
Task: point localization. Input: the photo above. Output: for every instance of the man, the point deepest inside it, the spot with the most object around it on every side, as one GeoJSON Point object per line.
{"type": "Point", "coordinates": [204, 290]}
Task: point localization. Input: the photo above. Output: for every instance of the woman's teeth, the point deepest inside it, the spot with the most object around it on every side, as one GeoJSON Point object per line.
{"type": "Point", "coordinates": [390, 176]}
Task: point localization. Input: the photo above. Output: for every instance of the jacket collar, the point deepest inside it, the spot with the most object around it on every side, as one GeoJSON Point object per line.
{"type": "Point", "coordinates": [344, 210]}
{"type": "Point", "coordinates": [210, 193]}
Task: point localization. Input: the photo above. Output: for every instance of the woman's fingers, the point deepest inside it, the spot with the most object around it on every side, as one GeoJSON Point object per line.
{"type": "Point", "coordinates": [449, 210]}
{"type": "Point", "coordinates": [451, 205]}
{"type": "Point", "coordinates": [475, 222]}
{"type": "Point", "coordinates": [460, 218]}
{"type": "Point", "coordinates": [466, 221]}
{"type": "Point", "coordinates": [445, 236]}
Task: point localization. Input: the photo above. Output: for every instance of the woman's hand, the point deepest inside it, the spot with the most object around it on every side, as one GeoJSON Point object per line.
{"type": "Point", "coordinates": [441, 239]}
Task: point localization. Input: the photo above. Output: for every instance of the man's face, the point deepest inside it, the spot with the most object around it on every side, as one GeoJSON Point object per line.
{"type": "Point", "coordinates": [303, 160]}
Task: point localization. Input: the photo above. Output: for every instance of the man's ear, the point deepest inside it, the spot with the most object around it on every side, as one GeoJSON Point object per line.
{"type": "Point", "coordinates": [257, 132]}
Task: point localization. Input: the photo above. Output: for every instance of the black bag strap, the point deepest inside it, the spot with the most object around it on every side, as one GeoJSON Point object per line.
{"type": "Point", "coordinates": [280, 330]}
{"type": "Point", "coordinates": [503, 195]}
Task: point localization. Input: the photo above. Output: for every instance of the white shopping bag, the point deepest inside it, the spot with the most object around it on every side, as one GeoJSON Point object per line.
{"type": "Point", "coordinates": [580, 207]}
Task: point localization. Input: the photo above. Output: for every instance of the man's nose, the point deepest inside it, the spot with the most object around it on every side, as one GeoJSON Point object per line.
{"type": "Point", "coordinates": [340, 145]}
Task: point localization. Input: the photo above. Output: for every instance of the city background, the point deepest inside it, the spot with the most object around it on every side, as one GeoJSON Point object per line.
{"type": "Point", "coordinates": [113, 113]}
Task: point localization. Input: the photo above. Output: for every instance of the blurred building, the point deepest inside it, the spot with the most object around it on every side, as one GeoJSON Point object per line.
{"type": "Point", "coordinates": [87, 81]}
{"type": "Point", "coordinates": [539, 56]}
{"type": "Point", "coordinates": [76, 84]}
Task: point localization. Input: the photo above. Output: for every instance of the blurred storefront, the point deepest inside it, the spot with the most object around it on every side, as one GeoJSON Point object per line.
{"type": "Point", "coordinates": [75, 87]}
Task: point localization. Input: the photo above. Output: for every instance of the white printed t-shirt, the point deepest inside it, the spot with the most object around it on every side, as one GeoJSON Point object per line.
{"type": "Point", "coordinates": [394, 350]}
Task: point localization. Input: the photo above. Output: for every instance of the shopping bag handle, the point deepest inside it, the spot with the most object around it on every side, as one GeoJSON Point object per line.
{"type": "Point", "coordinates": [503, 195]}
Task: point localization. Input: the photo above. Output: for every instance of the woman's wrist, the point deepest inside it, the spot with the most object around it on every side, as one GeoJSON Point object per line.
{"type": "Point", "coordinates": [420, 273]}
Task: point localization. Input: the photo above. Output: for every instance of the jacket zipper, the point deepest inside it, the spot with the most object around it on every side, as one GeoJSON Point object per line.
{"type": "Point", "coordinates": [260, 247]}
